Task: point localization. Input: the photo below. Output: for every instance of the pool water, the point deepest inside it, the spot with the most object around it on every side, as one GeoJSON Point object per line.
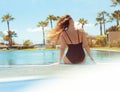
{"type": "Point", "coordinates": [106, 56]}
{"type": "Point", "coordinates": [28, 57]}
{"type": "Point", "coordinates": [39, 57]}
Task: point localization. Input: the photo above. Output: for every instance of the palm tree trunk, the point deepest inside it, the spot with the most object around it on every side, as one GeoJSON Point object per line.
{"type": "Point", "coordinates": [8, 25]}
{"type": "Point", "coordinates": [104, 28]}
{"type": "Point", "coordinates": [82, 26]}
{"type": "Point", "coordinates": [100, 28]}
{"type": "Point", "coordinates": [104, 23]}
{"type": "Point", "coordinates": [117, 22]}
{"type": "Point", "coordinates": [10, 41]}
{"type": "Point", "coordinates": [51, 24]}
{"type": "Point", "coordinates": [43, 36]}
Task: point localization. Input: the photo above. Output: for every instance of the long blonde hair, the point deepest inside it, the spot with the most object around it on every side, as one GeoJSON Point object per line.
{"type": "Point", "coordinates": [62, 25]}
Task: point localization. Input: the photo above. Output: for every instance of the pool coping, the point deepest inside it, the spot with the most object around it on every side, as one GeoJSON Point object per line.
{"type": "Point", "coordinates": [105, 50]}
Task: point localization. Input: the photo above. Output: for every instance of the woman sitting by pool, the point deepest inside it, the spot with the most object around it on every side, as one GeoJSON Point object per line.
{"type": "Point", "coordinates": [74, 39]}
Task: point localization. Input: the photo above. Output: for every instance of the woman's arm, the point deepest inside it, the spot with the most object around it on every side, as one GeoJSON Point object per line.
{"type": "Point", "coordinates": [89, 53]}
{"type": "Point", "coordinates": [61, 55]}
{"type": "Point", "coordinates": [86, 46]}
{"type": "Point", "coordinates": [62, 49]}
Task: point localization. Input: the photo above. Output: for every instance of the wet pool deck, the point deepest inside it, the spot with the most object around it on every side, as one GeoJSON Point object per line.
{"type": "Point", "coordinates": [42, 71]}
{"type": "Point", "coordinates": [104, 77]}
{"type": "Point", "coordinates": [58, 70]}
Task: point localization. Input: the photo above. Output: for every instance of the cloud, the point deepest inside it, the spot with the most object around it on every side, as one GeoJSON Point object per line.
{"type": "Point", "coordinates": [77, 25]}
{"type": "Point", "coordinates": [36, 29]}
{"type": "Point", "coordinates": [5, 32]}
{"type": "Point", "coordinates": [33, 30]}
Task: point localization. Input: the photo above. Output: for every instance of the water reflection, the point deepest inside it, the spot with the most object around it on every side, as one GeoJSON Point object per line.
{"type": "Point", "coordinates": [28, 57]}
{"type": "Point", "coordinates": [106, 56]}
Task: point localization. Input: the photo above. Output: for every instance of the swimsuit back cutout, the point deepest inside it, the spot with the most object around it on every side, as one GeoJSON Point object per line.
{"type": "Point", "coordinates": [75, 52]}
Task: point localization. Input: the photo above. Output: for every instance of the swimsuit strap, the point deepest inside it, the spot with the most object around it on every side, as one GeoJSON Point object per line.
{"type": "Point", "coordinates": [68, 36]}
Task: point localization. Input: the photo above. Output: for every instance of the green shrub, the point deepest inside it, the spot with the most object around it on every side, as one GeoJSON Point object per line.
{"type": "Point", "coordinates": [101, 41]}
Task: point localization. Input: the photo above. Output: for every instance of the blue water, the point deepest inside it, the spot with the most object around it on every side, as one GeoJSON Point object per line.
{"type": "Point", "coordinates": [33, 57]}
{"type": "Point", "coordinates": [106, 56]}
{"type": "Point", "coordinates": [28, 57]}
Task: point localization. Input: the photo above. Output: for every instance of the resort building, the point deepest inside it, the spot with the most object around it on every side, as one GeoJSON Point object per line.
{"type": "Point", "coordinates": [113, 37]}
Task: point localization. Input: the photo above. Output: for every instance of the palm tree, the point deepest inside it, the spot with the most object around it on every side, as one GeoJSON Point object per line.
{"type": "Point", "coordinates": [11, 35]}
{"type": "Point", "coordinates": [116, 15]}
{"type": "Point", "coordinates": [57, 17]}
{"type": "Point", "coordinates": [43, 24]}
{"type": "Point", "coordinates": [99, 21]}
{"type": "Point", "coordinates": [52, 18]}
{"type": "Point", "coordinates": [7, 18]}
{"type": "Point", "coordinates": [115, 3]}
{"type": "Point", "coordinates": [102, 15]}
{"type": "Point", "coordinates": [112, 29]}
{"type": "Point", "coordinates": [82, 21]}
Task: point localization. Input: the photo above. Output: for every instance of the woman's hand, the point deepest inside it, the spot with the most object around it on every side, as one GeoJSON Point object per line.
{"type": "Point", "coordinates": [94, 60]}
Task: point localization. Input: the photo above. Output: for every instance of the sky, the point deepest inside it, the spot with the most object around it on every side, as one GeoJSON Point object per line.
{"type": "Point", "coordinates": [28, 13]}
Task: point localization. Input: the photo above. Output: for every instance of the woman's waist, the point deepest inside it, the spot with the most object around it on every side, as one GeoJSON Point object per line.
{"type": "Point", "coordinates": [75, 51]}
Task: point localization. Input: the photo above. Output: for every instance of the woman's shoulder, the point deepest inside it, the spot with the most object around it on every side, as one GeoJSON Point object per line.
{"type": "Point", "coordinates": [62, 34]}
